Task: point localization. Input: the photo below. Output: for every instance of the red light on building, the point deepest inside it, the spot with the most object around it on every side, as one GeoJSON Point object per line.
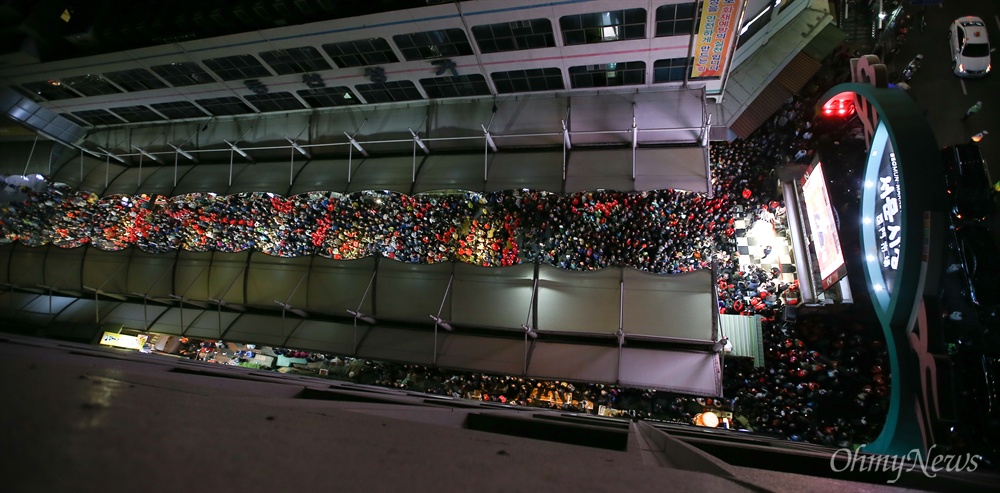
{"type": "Point", "coordinates": [838, 108]}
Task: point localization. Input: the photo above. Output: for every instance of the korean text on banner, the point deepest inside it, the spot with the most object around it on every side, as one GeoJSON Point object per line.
{"type": "Point", "coordinates": [718, 28]}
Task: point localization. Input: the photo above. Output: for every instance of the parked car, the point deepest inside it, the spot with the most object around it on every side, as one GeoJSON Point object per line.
{"type": "Point", "coordinates": [970, 47]}
{"type": "Point", "coordinates": [977, 251]}
{"type": "Point", "coordinates": [968, 183]}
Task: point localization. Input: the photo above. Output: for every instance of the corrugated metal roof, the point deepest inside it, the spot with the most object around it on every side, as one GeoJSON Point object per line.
{"type": "Point", "coordinates": [797, 73]}
{"type": "Point", "coordinates": [825, 42]}
{"type": "Point", "coordinates": [769, 101]}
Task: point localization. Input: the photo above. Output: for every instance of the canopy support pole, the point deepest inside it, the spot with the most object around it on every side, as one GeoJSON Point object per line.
{"type": "Point", "coordinates": [440, 309]}
{"type": "Point", "coordinates": [360, 303]}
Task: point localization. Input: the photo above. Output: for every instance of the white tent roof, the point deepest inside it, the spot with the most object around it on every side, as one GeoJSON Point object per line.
{"type": "Point", "coordinates": [576, 314]}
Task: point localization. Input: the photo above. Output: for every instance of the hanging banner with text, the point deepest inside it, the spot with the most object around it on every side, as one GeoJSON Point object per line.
{"type": "Point", "coordinates": [716, 33]}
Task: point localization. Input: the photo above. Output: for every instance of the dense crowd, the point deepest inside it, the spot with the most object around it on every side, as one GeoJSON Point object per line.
{"type": "Point", "coordinates": [663, 231]}
{"type": "Point", "coordinates": [823, 380]}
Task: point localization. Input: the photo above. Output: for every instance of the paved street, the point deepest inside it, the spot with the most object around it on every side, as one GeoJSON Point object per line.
{"type": "Point", "coordinates": [945, 97]}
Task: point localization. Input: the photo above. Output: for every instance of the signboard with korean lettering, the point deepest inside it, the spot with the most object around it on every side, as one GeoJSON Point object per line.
{"type": "Point", "coordinates": [883, 232]}
{"type": "Point", "coordinates": [887, 207]}
{"type": "Point", "coordinates": [717, 32]}
{"type": "Point", "coordinates": [902, 254]}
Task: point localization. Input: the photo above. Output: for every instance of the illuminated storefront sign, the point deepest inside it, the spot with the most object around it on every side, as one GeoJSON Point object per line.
{"type": "Point", "coordinates": [882, 221]}
{"type": "Point", "coordinates": [823, 227]}
{"type": "Point", "coordinates": [123, 341]}
{"type": "Point", "coordinates": [719, 27]}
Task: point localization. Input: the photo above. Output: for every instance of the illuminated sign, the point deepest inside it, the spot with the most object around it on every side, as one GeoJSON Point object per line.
{"type": "Point", "coordinates": [903, 250]}
{"type": "Point", "coordinates": [882, 219]}
{"type": "Point", "coordinates": [123, 341]}
{"type": "Point", "coordinates": [719, 26]}
{"type": "Point", "coordinates": [838, 108]}
{"type": "Point", "coordinates": [887, 207]}
{"type": "Point", "coordinates": [823, 227]}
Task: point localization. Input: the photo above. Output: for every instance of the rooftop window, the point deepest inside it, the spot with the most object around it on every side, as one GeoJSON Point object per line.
{"type": "Point", "coordinates": [454, 87]}
{"type": "Point", "coordinates": [238, 67]}
{"type": "Point", "coordinates": [137, 79]}
{"type": "Point", "coordinates": [538, 79]}
{"type": "Point", "coordinates": [182, 74]}
{"type": "Point", "coordinates": [224, 106]}
{"type": "Point", "coordinates": [433, 44]}
{"type": "Point", "coordinates": [608, 74]}
{"type": "Point", "coordinates": [325, 97]}
{"type": "Point", "coordinates": [514, 35]}
{"type": "Point", "coordinates": [601, 27]}
{"type": "Point", "coordinates": [295, 60]}
{"type": "Point", "coordinates": [360, 53]}
{"type": "Point", "coordinates": [387, 92]}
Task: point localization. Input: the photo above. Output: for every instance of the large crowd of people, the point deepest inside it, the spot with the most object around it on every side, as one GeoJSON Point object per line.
{"type": "Point", "coordinates": [663, 231]}
{"type": "Point", "coordinates": [820, 382]}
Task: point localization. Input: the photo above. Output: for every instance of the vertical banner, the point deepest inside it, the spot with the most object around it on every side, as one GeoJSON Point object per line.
{"type": "Point", "coordinates": [716, 32]}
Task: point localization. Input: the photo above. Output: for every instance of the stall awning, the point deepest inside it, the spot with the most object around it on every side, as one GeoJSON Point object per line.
{"type": "Point", "coordinates": [797, 73]}
{"type": "Point", "coordinates": [778, 69]}
{"type": "Point", "coordinates": [769, 101]}
{"type": "Point", "coordinates": [825, 42]}
{"type": "Point", "coordinates": [746, 336]}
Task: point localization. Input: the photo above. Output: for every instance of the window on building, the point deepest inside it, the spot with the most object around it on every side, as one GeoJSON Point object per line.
{"type": "Point", "coordinates": [137, 79]}
{"type": "Point", "coordinates": [608, 74]}
{"type": "Point", "coordinates": [182, 74]}
{"type": "Point", "coordinates": [224, 106]}
{"type": "Point", "coordinates": [91, 85]}
{"type": "Point", "coordinates": [671, 69]}
{"type": "Point", "coordinates": [538, 79]}
{"type": "Point", "coordinates": [601, 27]}
{"type": "Point", "coordinates": [387, 92]}
{"type": "Point", "coordinates": [295, 60]}
{"type": "Point", "coordinates": [137, 114]}
{"type": "Point", "coordinates": [51, 90]}
{"type": "Point", "coordinates": [361, 53]}
{"type": "Point", "coordinates": [74, 119]}
{"type": "Point", "coordinates": [514, 35]}
{"type": "Point", "coordinates": [275, 101]}
{"type": "Point", "coordinates": [675, 19]}
{"type": "Point", "coordinates": [326, 97]}
{"type": "Point", "coordinates": [176, 110]}
{"type": "Point", "coordinates": [454, 87]}
{"type": "Point", "coordinates": [238, 67]}
{"type": "Point", "coordinates": [98, 117]}
{"type": "Point", "coordinates": [433, 44]}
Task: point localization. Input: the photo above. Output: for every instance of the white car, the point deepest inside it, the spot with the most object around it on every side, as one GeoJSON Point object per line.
{"type": "Point", "coordinates": [970, 47]}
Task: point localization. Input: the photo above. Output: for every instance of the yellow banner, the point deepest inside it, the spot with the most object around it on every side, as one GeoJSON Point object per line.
{"type": "Point", "coordinates": [718, 29]}
{"type": "Point", "coordinates": [123, 341]}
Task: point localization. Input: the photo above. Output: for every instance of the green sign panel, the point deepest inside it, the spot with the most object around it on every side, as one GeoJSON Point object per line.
{"type": "Point", "coordinates": [902, 211]}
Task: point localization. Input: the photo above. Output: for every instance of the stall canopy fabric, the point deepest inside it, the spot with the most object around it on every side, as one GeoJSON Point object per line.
{"type": "Point", "coordinates": [576, 314]}
{"type": "Point", "coordinates": [746, 336]}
